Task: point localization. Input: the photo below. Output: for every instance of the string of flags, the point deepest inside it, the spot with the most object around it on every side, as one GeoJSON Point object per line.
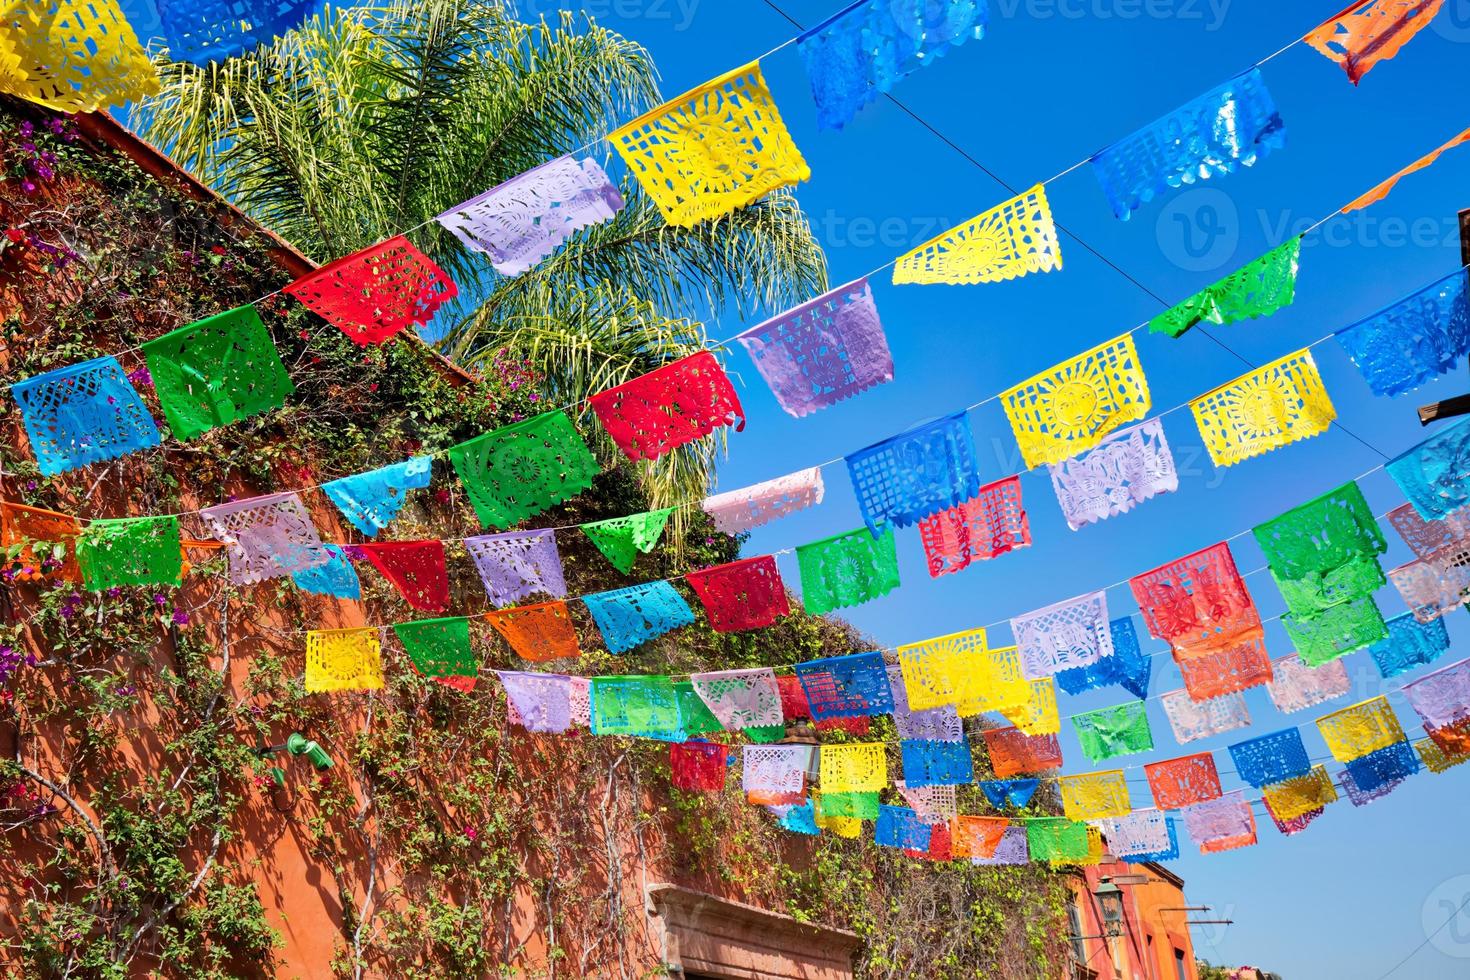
{"type": "Point", "coordinates": [938, 682]}
{"type": "Point", "coordinates": [718, 148]}
{"type": "Point", "coordinates": [225, 368]}
{"type": "Point", "coordinates": [1218, 647]}
{"type": "Point", "coordinates": [1071, 416]}
{"type": "Point", "coordinates": [936, 758]}
{"type": "Point", "coordinates": [91, 412]}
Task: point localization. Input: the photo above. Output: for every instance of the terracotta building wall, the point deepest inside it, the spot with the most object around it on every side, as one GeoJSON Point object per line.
{"type": "Point", "coordinates": [1154, 928]}
{"type": "Point", "coordinates": [314, 894]}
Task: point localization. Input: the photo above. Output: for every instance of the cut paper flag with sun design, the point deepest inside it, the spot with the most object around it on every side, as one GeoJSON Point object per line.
{"type": "Point", "coordinates": [865, 49]}
{"type": "Point", "coordinates": [853, 767]}
{"type": "Point", "coordinates": [81, 414]}
{"type": "Point", "coordinates": [371, 500]}
{"type": "Point", "coordinates": [989, 524]}
{"type": "Point", "coordinates": [1126, 468]}
{"type": "Point", "coordinates": [1232, 125]}
{"type": "Point", "coordinates": [1435, 475]}
{"type": "Point", "coordinates": [1012, 239]}
{"type": "Point", "coordinates": [712, 150]}
{"type": "Point", "coordinates": [1367, 726]}
{"type": "Point", "coordinates": [1257, 289]}
{"type": "Point", "coordinates": [1407, 344]}
{"type": "Point", "coordinates": [374, 294]}
{"type": "Point", "coordinates": [521, 470]}
{"type": "Point", "coordinates": [914, 475]}
{"type": "Point", "coordinates": [1323, 557]}
{"type": "Point", "coordinates": [1299, 795]}
{"type": "Point", "coordinates": [522, 221]}
{"type": "Point", "coordinates": [1095, 795]}
{"type": "Point", "coordinates": [219, 370]}
{"type": "Point", "coordinates": [1068, 409]}
{"type": "Point", "coordinates": [72, 55]}
{"type": "Point", "coordinates": [1370, 31]}
{"type": "Point", "coordinates": [823, 351]}
{"type": "Point", "coordinates": [343, 660]}
{"type": "Point", "coordinates": [947, 671]}
{"type": "Point", "coordinates": [1275, 405]}
{"type": "Point", "coordinates": [847, 570]}
{"type": "Point", "coordinates": [1070, 633]}
{"type": "Point", "coordinates": [669, 407]}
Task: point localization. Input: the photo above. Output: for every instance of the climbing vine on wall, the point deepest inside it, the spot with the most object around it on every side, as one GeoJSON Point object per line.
{"type": "Point", "coordinates": [142, 829]}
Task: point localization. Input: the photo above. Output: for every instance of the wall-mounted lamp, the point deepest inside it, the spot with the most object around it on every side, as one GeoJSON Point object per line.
{"type": "Point", "coordinates": [1110, 904]}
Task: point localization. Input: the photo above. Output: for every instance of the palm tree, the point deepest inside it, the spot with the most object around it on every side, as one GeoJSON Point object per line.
{"type": "Point", "coordinates": [371, 120]}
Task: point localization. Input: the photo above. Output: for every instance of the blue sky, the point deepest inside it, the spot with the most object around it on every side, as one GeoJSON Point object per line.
{"type": "Point", "coordinates": [1052, 81]}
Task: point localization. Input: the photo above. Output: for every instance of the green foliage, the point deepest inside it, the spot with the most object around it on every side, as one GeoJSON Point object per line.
{"type": "Point", "coordinates": [139, 811]}
{"type": "Point", "coordinates": [376, 118]}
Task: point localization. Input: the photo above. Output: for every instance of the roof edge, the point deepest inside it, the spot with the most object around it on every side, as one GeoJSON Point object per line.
{"type": "Point", "coordinates": [102, 129]}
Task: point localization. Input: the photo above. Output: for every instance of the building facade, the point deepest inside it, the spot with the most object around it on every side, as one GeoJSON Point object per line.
{"type": "Point", "coordinates": [1152, 941]}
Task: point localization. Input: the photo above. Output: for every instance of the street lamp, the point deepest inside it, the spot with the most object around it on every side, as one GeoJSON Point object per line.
{"type": "Point", "coordinates": [1110, 904]}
